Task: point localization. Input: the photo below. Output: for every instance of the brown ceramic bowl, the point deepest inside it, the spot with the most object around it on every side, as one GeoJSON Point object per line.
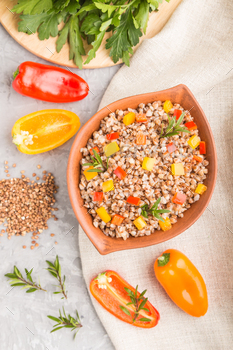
{"type": "Point", "coordinates": [179, 94]}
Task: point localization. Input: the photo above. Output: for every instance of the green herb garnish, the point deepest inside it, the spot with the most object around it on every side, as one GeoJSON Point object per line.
{"type": "Point", "coordinates": [97, 163]}
{"type": "Point", "coordinates": [87, 20]}
{"type": "Point", "coordinates": [153, 210]}
{"type": "Point", "coordinates": [66, 322]}
{"type": "Point", "coordinates": [16, 279]}
{"type": "Point", "coordinates": [138, 302]}
{"type": "Point", "coordinates": [55, 270]}
{"type": "Point", "coordinates": [174, 127]}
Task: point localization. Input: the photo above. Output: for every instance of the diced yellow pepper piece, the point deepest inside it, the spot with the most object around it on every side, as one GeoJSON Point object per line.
{"type": "Point", "coordinates": [148, 163]}
{"type": "Point", "coordinates": [90, 175]}
{"type": "Point", "coordinates": [129, 118]}
{"type": "Point", "coordinates": [111, 148]}
{"type": "Point", "coordinates": [103, 214]}
{"type": "Point", "coordinates": [200, 189]}
{"type": "Point", "coordinates": [177, 169]}
{"type": "Point", "coordinates": [108, 186]}
{"type": "Point", "coordinates": [139, 223]}
{"type": "Point", "coordinates": [167, 106]}
{"type": "Point", "coordinates": [194, 141]}
{"type": "Point", "coordinates": [166, 225]}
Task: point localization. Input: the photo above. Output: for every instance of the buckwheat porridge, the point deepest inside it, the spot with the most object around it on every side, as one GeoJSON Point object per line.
{"type": "Point", "coordinates": [143, 169]}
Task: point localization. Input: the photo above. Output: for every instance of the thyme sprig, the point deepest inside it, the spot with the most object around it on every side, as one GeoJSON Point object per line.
{"type": "Point", "coordinates": [153, 210]}
{"type": "Point", "coordinates": [66, 322]}
{"type": "Point", "coordinates": [97, 163]}
{"type": "Point", "coordinates": [139, 302]}
{"type": "Point", "coordinates": [55, 270]}
{"type": "Point", "coordinates": [16, 279]}
{"type": "Point", "coordinates": [173, 127]}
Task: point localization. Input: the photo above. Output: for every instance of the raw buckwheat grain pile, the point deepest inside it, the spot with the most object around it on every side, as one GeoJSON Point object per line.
{"type": "Point", "coordinates": [26, 206]}
{"type": "Point", "coordinates": [147, 185]}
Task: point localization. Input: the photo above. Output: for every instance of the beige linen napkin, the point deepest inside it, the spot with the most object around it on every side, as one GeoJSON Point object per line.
{"type": "Point", "coordinates": [195, 48]}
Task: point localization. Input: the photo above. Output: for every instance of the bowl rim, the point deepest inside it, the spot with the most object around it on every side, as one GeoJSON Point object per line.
{"type": "Point", "coordinates": [104, 246]}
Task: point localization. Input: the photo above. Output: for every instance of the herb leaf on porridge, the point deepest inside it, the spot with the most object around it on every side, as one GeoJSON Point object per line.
{"type": "Point", "coordinates": [154, 210]}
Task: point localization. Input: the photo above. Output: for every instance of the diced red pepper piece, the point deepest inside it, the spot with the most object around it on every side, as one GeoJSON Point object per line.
{"type": "Point", "coordinates": [141, 139]}
{"type": "Point", "coordinates": [179, 198]}
{"type": "Point", "coordinates": [198, 159]}
{"type": "Point", "coordinates": [117, 220]}
{"type": "Point", "coordinates": [191, 126]}
{"type": "Point", "coordinates": [171, 147]}
{"type": "Point", "coordinates": [96, 149]}
{"type": "Point", "coordinates": [202, 148]}
{"type": "Point", "coordinates": [133, 200]}
{"type": "Point", "coordinates": [141, 118]}
{"type": "Point", "coordinates": [98, 196]}
{"type": "Point", "coordinates": [177, 113]}
{"type": "Point", "coordinates": [113, 136]}
{"type": "Point", "coordinates": [119, 172]}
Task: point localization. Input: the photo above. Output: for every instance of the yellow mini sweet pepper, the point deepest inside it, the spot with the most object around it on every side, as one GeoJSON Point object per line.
{"type": "Point", "coordinates": [103, 214]}
{"type": "Point", "coordinates": [129, 118]}
{"type": "Point", "coordinates": [166, 225]}
{"type": "Point", "coordinates": [200, 189]}
{"type": "Point", "coordinates": [194, 141]}
{"type": "Point", "coordinates": [139, 223]}
{"type": "Point", "coordinates": [177, 169]}
{"type": "Point", "coordinates": [167, 106]}
{"type": "Point", "coordinates": [148, 163]}
{"type": "Point", "coordinates": [89, 175]}
{"type": "Point", "coordinates": [111, 148]}
{"type": "Point", "coordinates": [108, 186]}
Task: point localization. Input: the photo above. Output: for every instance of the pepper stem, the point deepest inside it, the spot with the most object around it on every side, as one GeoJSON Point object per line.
{"type": "Point", "coordinates": [163, 259]}
{"type": "Point", "coordinates": [16, 73]}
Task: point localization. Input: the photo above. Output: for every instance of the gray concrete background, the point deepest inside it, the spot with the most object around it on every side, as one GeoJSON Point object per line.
{"type": "Point", "coordinates": [23, 320]}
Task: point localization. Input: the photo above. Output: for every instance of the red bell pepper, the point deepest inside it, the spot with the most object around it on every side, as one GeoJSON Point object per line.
{"type": "Point", "coordinates": [177, 113]}
{"type": "Point", "coordinates": [48, 83]}
{"type": "Point", "coordinates": [117, 219]}
{"type": "Point", "coordinates": [191, 126]}
{"type": "Point", "coordinates": [133, 200]}
{"type": "Point", "coordinates": [98, 196]}
{"type": "Point", "coordinates": [141, 118]}
{"type": "Point", "coordinates": [119, 172]}
{"type": "Point", "coordinates": [171, 147]}
{"type": "Point", "coordinates": [202, 147]}
{"type": "Point", "coordinates": [198, 159]}
{"type": "Point", "coordinates": [108, 288]}
{"type": "Point", "coordinates": [113, 136]}
{"type": "Point", "coordinates": [179, 198]}
{"type": "Point", "coordinates": [96, 149]}
{"type": "Point", "coordinates": [141, 139]}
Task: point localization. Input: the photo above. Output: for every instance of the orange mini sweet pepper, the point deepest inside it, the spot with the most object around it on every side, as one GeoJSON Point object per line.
{"type": "Point", "coordinates": [182, 282]}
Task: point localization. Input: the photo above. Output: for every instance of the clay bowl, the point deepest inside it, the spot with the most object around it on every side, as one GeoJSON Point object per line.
{"type": "Point", "coordinates": [105, 245]}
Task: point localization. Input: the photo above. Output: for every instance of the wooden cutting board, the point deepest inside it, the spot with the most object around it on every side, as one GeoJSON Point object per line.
{"type": "Point", "coordinates": [46, 49]}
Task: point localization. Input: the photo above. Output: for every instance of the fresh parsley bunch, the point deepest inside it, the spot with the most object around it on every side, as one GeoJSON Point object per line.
{"type": "Point", "coordinates": [88, 20]}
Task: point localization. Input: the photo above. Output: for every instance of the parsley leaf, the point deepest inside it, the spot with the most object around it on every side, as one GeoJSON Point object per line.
{"type": "Point", "coordinates": [71, 33]}
{"type": "Point", "coordinates": [49, 26]}
{"type": "Point", "coordinates": [59, 5]}
{"type": "Point", "coordinates": [124, 37]}
{"type": "Point", "coordinates": [143, 15]}
{"type": "Point", "coordinates": [32, 7]}
{"type": "Point", "coordinates": [91, 24]}
{"type": "Point", "coordinates": [96, 44]}
{"type": "Point", "coordinates": [46, 24]}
